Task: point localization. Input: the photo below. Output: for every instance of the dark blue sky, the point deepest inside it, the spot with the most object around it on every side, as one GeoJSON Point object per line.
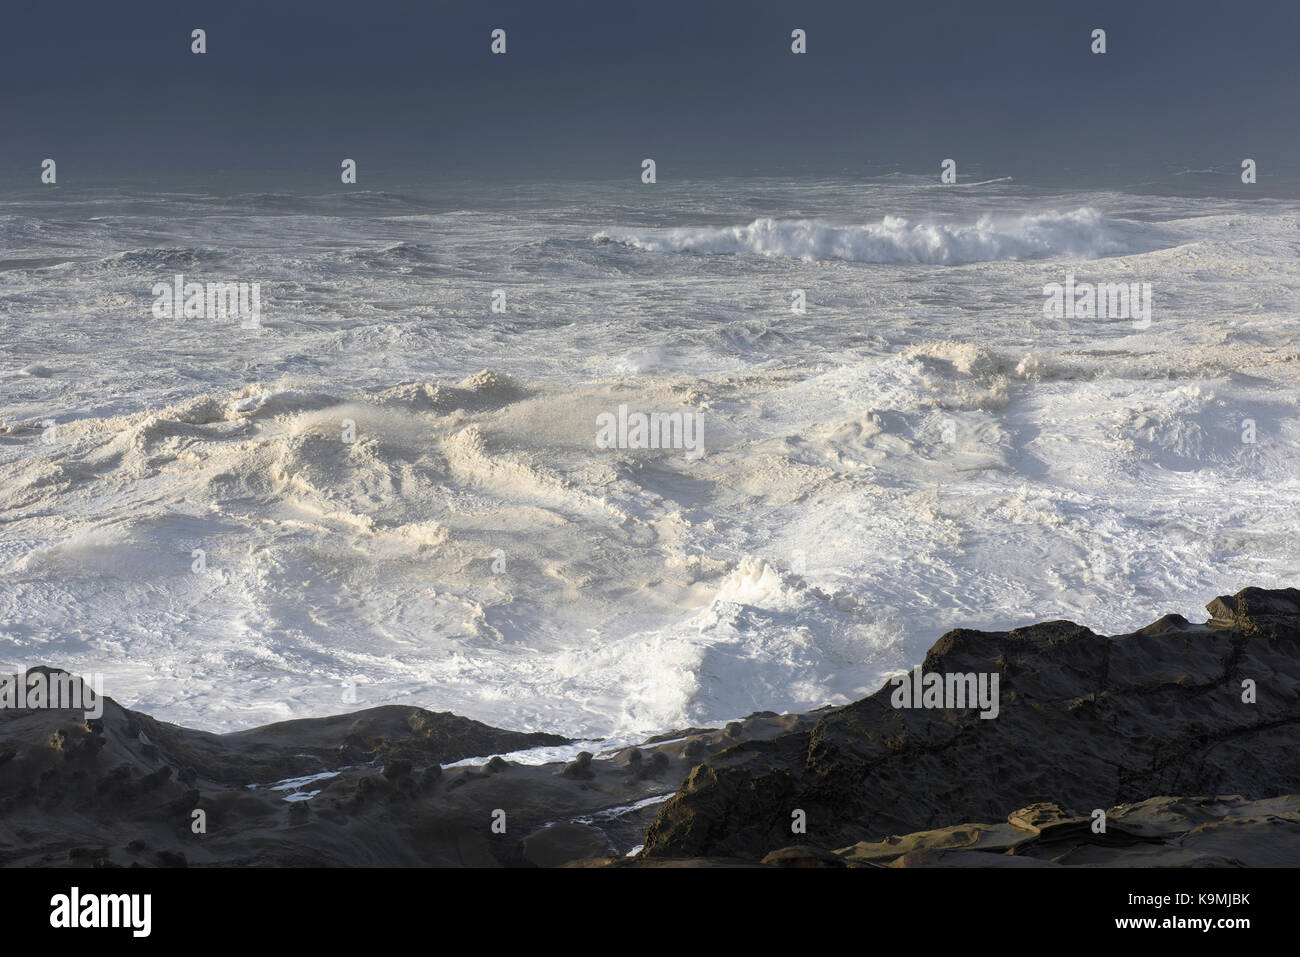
{"type": "Point", "coordinates": [589, 88]}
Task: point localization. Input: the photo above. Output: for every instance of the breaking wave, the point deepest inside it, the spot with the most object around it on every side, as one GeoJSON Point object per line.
{"type": "Point", "coordinates": [895, 240]}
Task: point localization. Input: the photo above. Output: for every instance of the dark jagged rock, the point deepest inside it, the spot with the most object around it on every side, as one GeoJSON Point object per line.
{"type": "Point", "coordinates": [803, 856]}
{"type": "Point", "coordinates": [391, 732]}
{"type": "Point", "coordinates": [1084, 721]}
{"type": "Point", "coordinates": [580, 767]}
{"type": "Point", "coordinates": [337, 791]}
{"type": "Point", "coordinates": [155, 778]}
{"type": "Point", "coordinates": [398, 769]}
{"type": "Point", "coordinates": [1159, 832]}
{"type": "Point", "coordinates": [558, 844]}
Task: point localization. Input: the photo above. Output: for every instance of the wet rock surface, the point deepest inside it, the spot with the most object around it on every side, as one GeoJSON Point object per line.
{"type": "Point", "coordinates": [379, 787]}
{"type": "Point", "coordinates": [1084, 721]}
{"type": "Point", "coordinates": [1180, 738]}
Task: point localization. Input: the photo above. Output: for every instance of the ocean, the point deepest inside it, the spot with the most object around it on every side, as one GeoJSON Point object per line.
{"type": "Point", "coordinates": [846, 418]}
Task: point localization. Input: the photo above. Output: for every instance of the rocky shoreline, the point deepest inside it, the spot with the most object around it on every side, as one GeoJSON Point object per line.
{"type": "Point", "coordinates": [1174, 745]}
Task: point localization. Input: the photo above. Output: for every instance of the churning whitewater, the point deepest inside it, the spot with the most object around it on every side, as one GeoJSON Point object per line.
{"type": "Point", "coordinates": [392, 488]}
{"type": "Point", "coordinates": [1082, 233]}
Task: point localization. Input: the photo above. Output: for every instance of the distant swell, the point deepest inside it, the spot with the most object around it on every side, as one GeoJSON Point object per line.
{"type": "Point", "coordinates": [1082, 233]}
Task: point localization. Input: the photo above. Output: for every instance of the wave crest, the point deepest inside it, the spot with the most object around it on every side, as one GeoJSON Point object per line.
{"type": "Point", "coordinates": [1084, 232]}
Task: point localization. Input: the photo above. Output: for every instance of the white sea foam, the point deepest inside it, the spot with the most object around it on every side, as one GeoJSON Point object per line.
{"type": "Point", "coordinates": [1082, 233]}
{"type": "Point", "coordinates": [921, 449]}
